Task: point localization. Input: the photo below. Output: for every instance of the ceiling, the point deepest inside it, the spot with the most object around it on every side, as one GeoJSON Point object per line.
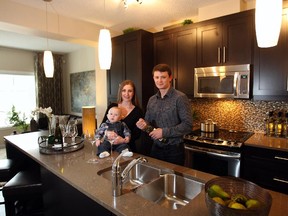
{"type": "Point", "coordinates": [151, 15]}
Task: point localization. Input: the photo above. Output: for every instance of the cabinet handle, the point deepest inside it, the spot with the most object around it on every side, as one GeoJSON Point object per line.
{"type": "Point", "coordinates": [280, 180]}
{"type": "Point", "coordinates": [224, 54]}
{"type": "Point", "coordinates": [219, 55]}
{"type": "Point", "coordinates": [174, 83]}
{"type": "Point", "coordinates": [281, 158]}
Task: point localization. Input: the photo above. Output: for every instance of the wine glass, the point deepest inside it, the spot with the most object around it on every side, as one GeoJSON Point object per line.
{"type": "Point", "coordinates": [92, 139]}
{"type": "Point", "coordinates": [110, 136]}
{"type": "Point", "coordinates": [64, 133]}
{"type": "Point", "coordinates": [73, 132]}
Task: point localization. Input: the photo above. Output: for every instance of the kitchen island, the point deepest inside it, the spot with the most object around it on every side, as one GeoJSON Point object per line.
{"type": "Point", "coordinates": [72, 185]}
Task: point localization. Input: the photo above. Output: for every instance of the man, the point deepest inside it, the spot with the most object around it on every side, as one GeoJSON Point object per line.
{"type": "Point", "coordinates": [169, 112]}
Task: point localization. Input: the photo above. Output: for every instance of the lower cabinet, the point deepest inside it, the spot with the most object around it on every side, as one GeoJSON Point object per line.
{"type": "Point", "coordinates": [265, 167]}
{"type": "Point", "coordinates": [60, 198]}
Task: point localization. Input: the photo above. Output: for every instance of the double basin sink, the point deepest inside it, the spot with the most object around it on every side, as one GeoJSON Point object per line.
{"type": "Point", "coordinates": [161, 186]}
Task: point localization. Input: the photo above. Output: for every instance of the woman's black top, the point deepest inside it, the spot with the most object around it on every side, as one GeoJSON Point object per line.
{"type": "Point", "coordinates": [130, 121]}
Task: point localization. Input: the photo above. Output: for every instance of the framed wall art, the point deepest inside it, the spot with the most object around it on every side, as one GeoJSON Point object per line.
{"type": "Point", "coordinates": [82, 90]}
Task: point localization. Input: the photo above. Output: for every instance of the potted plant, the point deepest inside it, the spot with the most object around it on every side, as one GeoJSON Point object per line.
{"type": "Point", "coordinates": [130, 29]}
{"type": "Point", "coordinates": [187, 22]}
{"type": "Point", "coordinates": [17, 121]}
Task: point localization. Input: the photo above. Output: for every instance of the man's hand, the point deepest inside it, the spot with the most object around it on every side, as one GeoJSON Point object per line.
{"type": "Point", "coordinates": [156, 133]}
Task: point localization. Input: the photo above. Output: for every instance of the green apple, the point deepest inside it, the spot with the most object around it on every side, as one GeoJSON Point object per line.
{"type": "Point", "coordinates": [217, 191]}
{"type": "Point", "coordinates": [252, 204]}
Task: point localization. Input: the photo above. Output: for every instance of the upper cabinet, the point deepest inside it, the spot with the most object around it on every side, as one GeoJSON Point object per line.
{"type": "Point", "coordinates": [177, 47]}
{"type": "Point", "coordinates": [132, 58]}
{"type": "Point", "coordinates": [271, 68]}
{"type": "Point", "coordinates": [225, 40]}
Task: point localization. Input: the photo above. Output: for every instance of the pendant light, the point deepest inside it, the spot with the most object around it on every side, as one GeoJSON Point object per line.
{"type": "Point", "coordinates": [268, 18]}
{"type": "Point", "coordinates": [105, 48]}
{"type": "Point", "coordinates": [48, 64]}
{"type": "Point", "coordinates": [48, 57]}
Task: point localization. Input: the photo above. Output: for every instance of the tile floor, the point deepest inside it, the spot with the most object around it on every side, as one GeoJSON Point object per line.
{"type": "Point", "coordinates": [2, 208]}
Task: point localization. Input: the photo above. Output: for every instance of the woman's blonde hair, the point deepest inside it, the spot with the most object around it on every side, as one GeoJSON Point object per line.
{"type": "Point", "coordinates": [135, 100]}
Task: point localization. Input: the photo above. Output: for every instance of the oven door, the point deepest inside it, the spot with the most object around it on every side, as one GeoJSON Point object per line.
{"type": "Point", "coordinates": [214, 161]}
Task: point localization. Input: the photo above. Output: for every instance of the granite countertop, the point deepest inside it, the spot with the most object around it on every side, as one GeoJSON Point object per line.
{"type": "Point", "coordinates": [74, 169]}
{"type": "Point", "coordinates": [262, 141]}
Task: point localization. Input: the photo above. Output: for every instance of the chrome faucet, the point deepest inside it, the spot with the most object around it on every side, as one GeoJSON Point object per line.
{"type": "Point", "coordinates": [117, 177]}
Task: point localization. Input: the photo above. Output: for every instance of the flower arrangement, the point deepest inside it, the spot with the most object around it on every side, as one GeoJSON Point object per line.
{"type": "Point", "coordinates": [46, 111]}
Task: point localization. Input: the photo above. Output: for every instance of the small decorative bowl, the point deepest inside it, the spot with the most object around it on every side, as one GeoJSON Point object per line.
{"type": "Point", "coordinates": [233, 186]}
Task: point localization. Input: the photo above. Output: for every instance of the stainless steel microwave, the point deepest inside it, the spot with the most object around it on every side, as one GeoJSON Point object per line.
{"type": "Point", "coordinates": [231, 81]}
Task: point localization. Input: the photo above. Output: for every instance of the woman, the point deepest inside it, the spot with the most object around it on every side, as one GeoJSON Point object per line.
{"type": "Point", "coordinates": [128, 102]}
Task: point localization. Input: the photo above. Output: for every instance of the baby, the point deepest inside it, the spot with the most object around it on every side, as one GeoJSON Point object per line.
{"type": "Point", "coordinates": [115, 130]}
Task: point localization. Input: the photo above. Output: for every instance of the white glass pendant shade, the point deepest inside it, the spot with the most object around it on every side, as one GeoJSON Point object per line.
{"type": "Point", "coordinates": [105, 49]}
{"type": "Point", "coordinates": [268, 18]}
{"type": "Point", "coordinates": [48, 64]}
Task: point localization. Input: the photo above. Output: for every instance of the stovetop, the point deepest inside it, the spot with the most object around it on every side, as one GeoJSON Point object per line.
{"type": "Point", "coordinates": [224, 138]}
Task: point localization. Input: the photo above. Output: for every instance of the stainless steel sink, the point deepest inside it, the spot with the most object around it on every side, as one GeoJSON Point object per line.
{"type": "Point", "coordinates": [140, 174]}
{"type": "Point", "coordinates": [171, 190]}
{"type": "Point", "coordinates": [148, 181]}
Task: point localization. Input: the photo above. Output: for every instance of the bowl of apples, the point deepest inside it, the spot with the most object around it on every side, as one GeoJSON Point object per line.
{"type": "Point", "coordinates": [236, 197]}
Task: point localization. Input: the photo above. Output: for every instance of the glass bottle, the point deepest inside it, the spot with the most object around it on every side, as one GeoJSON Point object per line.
{"type": "Point", "coordinates": [278, 125]}
{"type": "Point", "coordinates": [285, 126]}
{"type": "Point", "coordinates": [266, 123]}
{"type": "Point", "coordinates": [149, 128]}
{"type": "Point", "coordinates": [271, 124]}
{"type": "Point", "coordinates": [58, 135]}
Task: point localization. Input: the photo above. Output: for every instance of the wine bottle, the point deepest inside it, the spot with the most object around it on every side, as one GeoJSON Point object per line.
{"type": "Point", "coordinates": [149, 128]}
{"type": "Point", "coordinates": [58, 135]}
{"type": "Point", "coordinates": [285, 126]}
{"type": "Point", "coordinates": [279, 125]}
{"type": "Point", "coordinates": [271, 124]}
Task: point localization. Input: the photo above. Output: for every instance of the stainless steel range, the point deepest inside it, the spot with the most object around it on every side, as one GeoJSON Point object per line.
{"type": "Point", "coordinates": [218, 153]}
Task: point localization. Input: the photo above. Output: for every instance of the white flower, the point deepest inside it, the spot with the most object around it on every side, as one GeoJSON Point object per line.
{"type": "Point", "coordinates": [46, 111]}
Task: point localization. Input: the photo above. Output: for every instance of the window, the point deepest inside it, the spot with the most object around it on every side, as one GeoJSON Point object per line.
{"type": "Point", "coordinates": [18, 90]}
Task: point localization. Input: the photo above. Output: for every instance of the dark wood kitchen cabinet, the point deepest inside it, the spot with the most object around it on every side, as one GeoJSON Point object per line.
{"type": "Point", "coordinates": [271, 68]}
{"type": "Point", "coordinates": [265, 167]}
{"type": "Point", "coordinates": [226, 40]}
{"type": "Point", "coordinates": [177, 47]}
{"type": "Point", "coordinates": [132, 58]}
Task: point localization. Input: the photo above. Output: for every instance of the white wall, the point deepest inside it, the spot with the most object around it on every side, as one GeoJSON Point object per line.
{"type": "Point", "coordinates": [224, 7]}
{"type": "Point", "coordinates": [9, 57]}
{"type": "Point", "coordinates": [80, 61]}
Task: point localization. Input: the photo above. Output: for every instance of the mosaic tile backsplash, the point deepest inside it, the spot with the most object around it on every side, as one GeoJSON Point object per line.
{"type": "Point", "coordinates": [241, 115]}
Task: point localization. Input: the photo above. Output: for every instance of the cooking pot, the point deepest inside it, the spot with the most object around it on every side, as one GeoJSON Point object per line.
{"type": "Point", "coordinates": [209, 126]}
